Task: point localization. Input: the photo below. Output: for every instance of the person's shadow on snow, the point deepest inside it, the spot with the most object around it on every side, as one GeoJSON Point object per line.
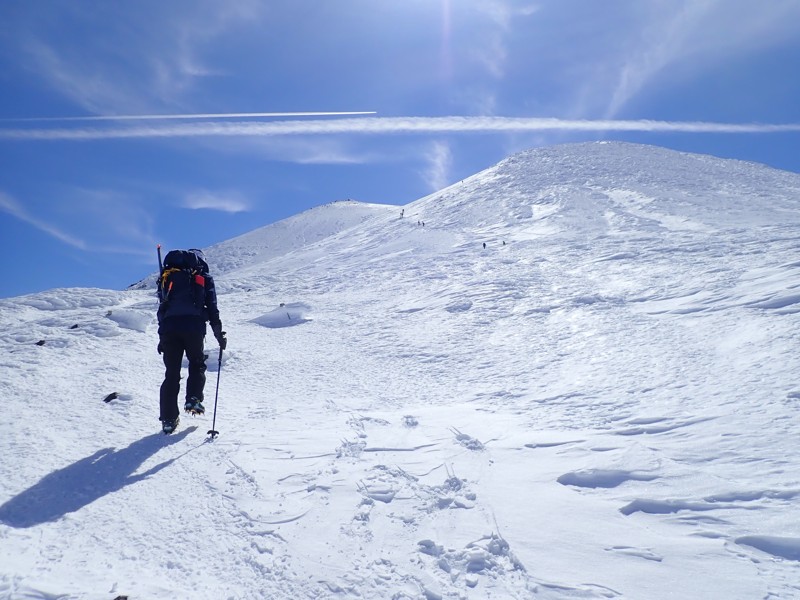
{"type": "Point", "coordinates": [71, 488]}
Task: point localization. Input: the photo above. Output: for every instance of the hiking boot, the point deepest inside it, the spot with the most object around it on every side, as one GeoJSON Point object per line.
{"type": "Point", "coordinates": [193, 406]}
{"type": "Point", "coordinates": [170, 425]}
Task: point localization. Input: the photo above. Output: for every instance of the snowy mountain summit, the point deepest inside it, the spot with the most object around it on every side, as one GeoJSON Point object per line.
{"type": "Point", "coordinates": [572, 375]}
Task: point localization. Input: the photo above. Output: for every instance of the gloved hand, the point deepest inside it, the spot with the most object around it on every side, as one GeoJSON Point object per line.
{"type": "Point", "coordinates": [160, 348]}
{"type": "Point", "coordinates": [221, 339]}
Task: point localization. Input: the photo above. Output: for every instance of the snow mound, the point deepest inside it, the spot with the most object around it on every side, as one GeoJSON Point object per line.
{"type": "Point", "coordinates": [779, 547]}
{"type": "Point", "coordinates": [137, 320]}
{"type": "Point", "coordinates": [285, 315]}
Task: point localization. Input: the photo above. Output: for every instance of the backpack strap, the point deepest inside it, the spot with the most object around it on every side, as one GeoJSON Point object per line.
{"type": "Point", "coordinates": [164, 287]}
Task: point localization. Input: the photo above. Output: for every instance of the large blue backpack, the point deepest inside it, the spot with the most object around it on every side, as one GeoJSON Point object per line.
{"type": "Point", "coordinates": [182, 284]}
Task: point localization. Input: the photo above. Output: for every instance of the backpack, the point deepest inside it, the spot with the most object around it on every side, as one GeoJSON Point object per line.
{"type": "Point", "coordinates": [182, 284]}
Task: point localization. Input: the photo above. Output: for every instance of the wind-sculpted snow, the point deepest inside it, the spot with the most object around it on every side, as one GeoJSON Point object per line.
{"type": "Point", "coordinates": [573, 375]}
{"type": "Point", "coordinates": [598, 478]}
{"type": "Point", "coordinates": [286, 315]}
{"type": "Point", "coordinates": [610, 187]}
{"type": "Point", "coordinates": [284, 237]}
{"type": "Point", "coordinates": [136, 319]}
{"type": "Point", "coordinates": [294, 233]}
{"type": "Point", "coordinates": [780, 547]}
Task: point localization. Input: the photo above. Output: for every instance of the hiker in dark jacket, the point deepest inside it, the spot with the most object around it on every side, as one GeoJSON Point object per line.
{"type": "Point", "coordinates": [188, 300]}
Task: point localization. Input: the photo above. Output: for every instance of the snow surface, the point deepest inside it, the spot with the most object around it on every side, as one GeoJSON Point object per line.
{"type": "Point", "coordinates": [601, 403]}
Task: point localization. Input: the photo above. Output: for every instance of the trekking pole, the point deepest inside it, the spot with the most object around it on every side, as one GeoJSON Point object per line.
{"type": "Point", "coordinates": [213, 432]}
{"type": "Point", "coordinates": [160, 264]}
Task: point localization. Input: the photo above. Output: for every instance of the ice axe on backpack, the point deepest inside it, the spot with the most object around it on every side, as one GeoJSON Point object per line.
{"type": "Point", "coordinates": [213, 432]}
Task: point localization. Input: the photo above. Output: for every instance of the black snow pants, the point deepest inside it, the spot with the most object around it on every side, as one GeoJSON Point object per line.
{"type": "Point", "coordinates": [173, 346]}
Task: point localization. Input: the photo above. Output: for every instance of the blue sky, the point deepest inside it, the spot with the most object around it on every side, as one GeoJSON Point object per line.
{"type": "Point", "coordinates": [456, 85]}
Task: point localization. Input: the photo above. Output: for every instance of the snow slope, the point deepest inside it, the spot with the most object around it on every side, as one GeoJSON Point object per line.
{"type": "Point", "coordinates": [602, 402]}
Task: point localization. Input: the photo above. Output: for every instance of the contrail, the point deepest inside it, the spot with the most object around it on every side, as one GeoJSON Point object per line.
{"type": "Point", "coordinates": [186, 116]}
{"type": "Point", "coordinates": [387, 126]}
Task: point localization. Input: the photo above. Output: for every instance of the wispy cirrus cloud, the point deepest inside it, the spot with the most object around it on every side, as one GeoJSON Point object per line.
{"type": "Point", "coordinates": [440, 160]}
{"type": "Point", "coordinates": [132, 58]}
{"type": "Point", "coordinates": [303, 150]}
{"type": "Point", "coordinates": [480, 46]}
{"type": "Point", "coordinates": [107, 221]}
{"type": "Point", "coordinates": [386, 126]}
{"type": "Point", "coordinates": [692, 36]}
{"type": "Point", "coordinates": [230, 202]}
{"type": "Point", "coordinates": [493, 50]}
{"type": "Point", "coordinates": [114, 221]}
{"type": "Point", "coordinates": [11, 206]}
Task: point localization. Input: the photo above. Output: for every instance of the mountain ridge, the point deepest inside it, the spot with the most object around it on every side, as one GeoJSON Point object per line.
{"type": "Point", "coordinates": [596, 187]}
{"type": "Point", "coordinates": [542, 177]}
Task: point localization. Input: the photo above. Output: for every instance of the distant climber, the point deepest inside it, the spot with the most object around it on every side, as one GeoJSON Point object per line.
{"type": "Point", "coordinates": [484, 245]}
{"type": "Point", "coordinates": [188, 298]}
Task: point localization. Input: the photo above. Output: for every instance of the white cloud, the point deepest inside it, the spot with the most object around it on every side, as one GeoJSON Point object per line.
{"type": "Point", "coordinates": [504, 12]}
{"type": "Point", "coordinates": [231, 202]}
{"type": "Point", "coordinates": [316, 153]}
{"type": "Point", "coordinates": [12, 207]}
{"type": "Point", "coordinates": [107, 221]}
{"type": "Point", "coordinates": [387, 125]}
{"type": "Point", "coordinates": [78, 80]}
{"type": "Point", "coordinates": [440, 160]}
{"type": "Point", "coordinates": [491, 49]}
{"type": "Point", "coordinates": [663, 40]}
{"type": "Point", "coordinates": [116, 221]}
{"type": "Point", "coordinates": [132, 58]}
{"type": "Point", "coordinates": [304, 150]}
{"type": "Point", "coordinates": [694, 36]}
